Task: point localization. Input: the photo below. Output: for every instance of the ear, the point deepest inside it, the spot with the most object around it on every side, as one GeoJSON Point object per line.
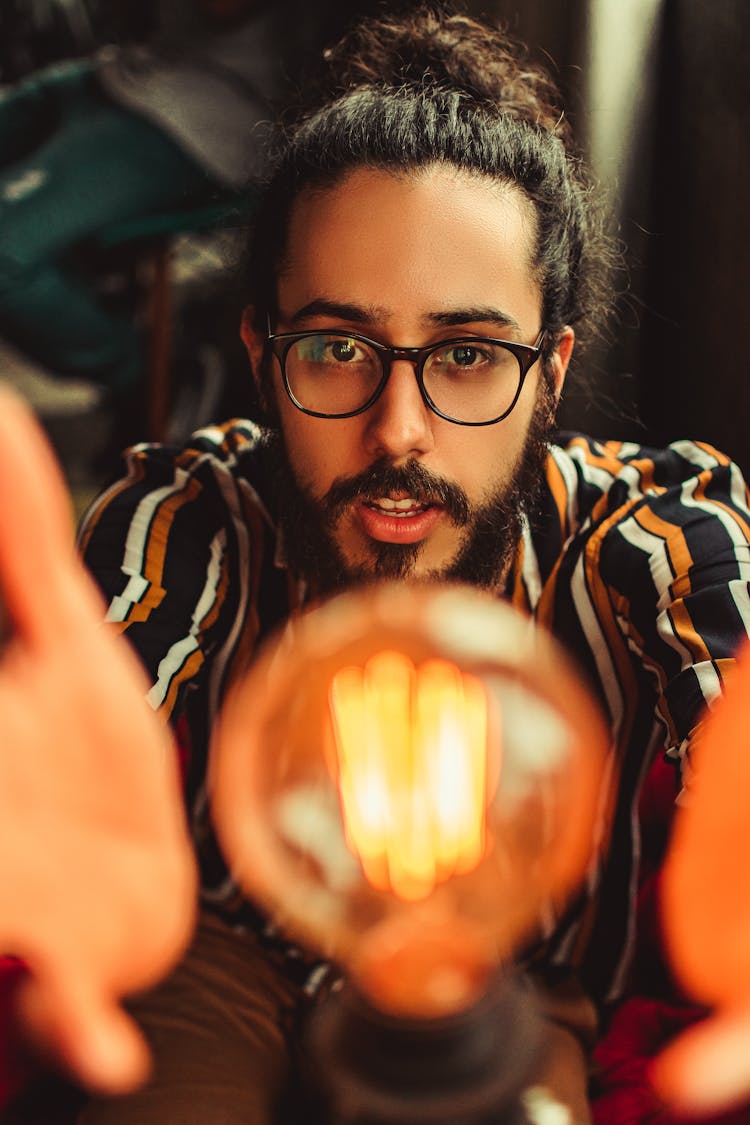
{"type": "Point", "coordinates": [561, 358]}
{"type": "Point", "coordinates": [254, 345]}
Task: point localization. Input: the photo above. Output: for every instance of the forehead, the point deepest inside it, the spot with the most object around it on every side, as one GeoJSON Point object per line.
{"type": "Point", "coordinates": [412, 243]}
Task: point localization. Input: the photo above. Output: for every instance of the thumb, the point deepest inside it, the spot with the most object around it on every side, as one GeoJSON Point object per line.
{"type": "Point", "coordinates": [707, 1068]}
{"type": "Point", "coordinates": [91, 1037]}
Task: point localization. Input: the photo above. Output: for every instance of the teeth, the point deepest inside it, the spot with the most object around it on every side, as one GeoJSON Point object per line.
{"type": "Point", "coordinates": [397, 507]}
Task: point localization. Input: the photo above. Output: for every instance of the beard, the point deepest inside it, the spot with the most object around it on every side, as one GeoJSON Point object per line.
{"type": "Point", "coordinates": [491, 529]}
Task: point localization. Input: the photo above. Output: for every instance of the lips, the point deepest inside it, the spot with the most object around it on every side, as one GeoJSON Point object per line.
{"type": "Point", "coordinates": [398, 519]}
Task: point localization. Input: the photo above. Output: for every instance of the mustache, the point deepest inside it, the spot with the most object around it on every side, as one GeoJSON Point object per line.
{"type": "Point", "coordinates": [381, 477]}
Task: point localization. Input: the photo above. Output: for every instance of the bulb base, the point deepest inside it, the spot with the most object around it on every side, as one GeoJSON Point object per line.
{"type": "Point", "coordinates": [467, 1069]}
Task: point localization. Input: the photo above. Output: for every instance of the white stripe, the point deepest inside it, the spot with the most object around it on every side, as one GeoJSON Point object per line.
{"type": "Point", "coordinates": [180, 650]}
{"type": "Point", "coordinates": [708, 680]}
{"type": "Point", "coordinates": [133, 558]}
{"type": "Point", "coordinates": [598, 646]}
{"type": "Point", "coordinates": [658, 557]}
{"type": "Point", "coordinates": [570, 480]}
{"type": "Point", "coordinates": [603, 479]}
{"type": "Point", "coordinates": [229, 491]}
{"type": "Point", "coordinates": [694, 454]}
{"type": "Point", "coordinates": [136, 541]}
{"type": "Point", "coordinates": [661, 573]}
{"type": "Point", "coordinates": [738, 588]}
{"type": "Point", "coordinates": [592, 474]}
{"type": "Point", "coordinates": [738, 489]}
{"type": "Point", "coordinates": [218, 436]}
{"type": "Point", "coordinates": [728, 521]}
{"type": "Point", "coordinates": [530, 575]}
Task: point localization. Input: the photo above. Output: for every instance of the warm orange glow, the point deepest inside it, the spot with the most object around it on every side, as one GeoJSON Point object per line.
{"type": "Point", "coordinates": [411, 745]}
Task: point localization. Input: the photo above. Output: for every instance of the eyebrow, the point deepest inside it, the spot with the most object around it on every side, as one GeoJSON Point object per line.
{"type": "Point", "coordinates": [481, 314]}
{"type": "Point", "coordinates": [357, 314]}
{"type": "Point", "coordinates": [339, 310]}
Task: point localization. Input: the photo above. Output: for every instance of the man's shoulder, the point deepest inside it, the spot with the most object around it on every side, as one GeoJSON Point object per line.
{"type": "Point", "coordinates": [227, 442]}
{"type": "Point", "coordinates": [599, 463]}
{"type": "Point", "coordinates": [233, 447]}
{"type": "Point", "coordinates": [202, 477]}
{"type": "Point", "coordinates": [592, 483]}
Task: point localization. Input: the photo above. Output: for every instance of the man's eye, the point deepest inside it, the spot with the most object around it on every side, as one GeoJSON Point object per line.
{"type": "Point", "coordinates": [344, 351]}
{"type": "Point", "coordinates": [463, 356]}
{"type": "Point", "coordinates": [330, 349]}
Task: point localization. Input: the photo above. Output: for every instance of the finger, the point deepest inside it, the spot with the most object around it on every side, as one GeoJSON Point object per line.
{"type": "Point", "coordinates": [93, 1039]}
{"type": "Point", "coordinates": [36, 532]}
{"type": "Point", "coordinates": [707, 1068]}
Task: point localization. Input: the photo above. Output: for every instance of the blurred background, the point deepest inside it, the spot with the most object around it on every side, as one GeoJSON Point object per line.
{"type": "Point", "coordinates": [659, 94]}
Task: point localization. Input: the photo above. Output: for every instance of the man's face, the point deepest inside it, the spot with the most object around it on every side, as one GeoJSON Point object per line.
{"type": "Point", "coordinates": [411, 261]}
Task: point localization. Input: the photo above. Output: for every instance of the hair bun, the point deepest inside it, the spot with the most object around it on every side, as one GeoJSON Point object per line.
{"type": "Point", "coordinates": [439, 48]}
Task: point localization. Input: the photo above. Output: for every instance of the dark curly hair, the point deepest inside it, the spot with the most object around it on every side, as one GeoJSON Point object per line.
{"type": "Point", "coordinates": [436, 86]}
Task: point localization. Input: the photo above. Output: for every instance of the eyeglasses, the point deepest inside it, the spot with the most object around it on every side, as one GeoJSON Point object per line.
{"type": "Point", "coordinates": [472, 380]}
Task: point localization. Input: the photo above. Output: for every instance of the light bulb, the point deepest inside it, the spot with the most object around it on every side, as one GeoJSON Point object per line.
{"type": "Point", "coordinates": [407, 780]}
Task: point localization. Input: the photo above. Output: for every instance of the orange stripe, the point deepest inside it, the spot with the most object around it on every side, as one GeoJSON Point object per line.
{"type": "Point", "coordinates": [712, 451]}
{"type": "Point", "coordinates": [188, 670]}
{"type": "Point", "coordinates": [195, 660]}
{"type": "Point", "coordinates": [560, 495]}
{"type": "Point", "coordinates": [704, 479]}
{"type": "Point", "coordinates": [156, 549]}
{"type": "Point", "coordinates": [686, 632]}
{"type": "Point", "coordinates": [675, 544]}
{"type": "Point", "coordinates": [607, 460]}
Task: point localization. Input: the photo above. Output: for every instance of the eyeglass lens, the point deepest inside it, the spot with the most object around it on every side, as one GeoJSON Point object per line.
{"type": "Point", "coordinates": [469, 380]}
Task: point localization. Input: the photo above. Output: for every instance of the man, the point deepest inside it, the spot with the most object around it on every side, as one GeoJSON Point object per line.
{"type": "Point", "coordinates": [423, 258]}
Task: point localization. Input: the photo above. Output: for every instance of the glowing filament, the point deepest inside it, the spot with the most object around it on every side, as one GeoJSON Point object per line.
{"type": "Point", "coordinates": [411, 747]}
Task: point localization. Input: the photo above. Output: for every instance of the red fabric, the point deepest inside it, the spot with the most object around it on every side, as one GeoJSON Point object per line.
{"type": "Point", "coordinates": [13, 1071]}
{"type": "Point", "coordinates": [638, 1031]}
{"type": "Point", "coordinates": [648, 1020]}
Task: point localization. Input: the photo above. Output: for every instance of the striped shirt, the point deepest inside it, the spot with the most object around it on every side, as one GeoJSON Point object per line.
{"type": "Point", "coordinates": [637, 560]}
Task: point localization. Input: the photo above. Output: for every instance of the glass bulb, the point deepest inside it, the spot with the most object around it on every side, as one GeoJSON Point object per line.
{"type": "Point", "coordinates": [408, 780]}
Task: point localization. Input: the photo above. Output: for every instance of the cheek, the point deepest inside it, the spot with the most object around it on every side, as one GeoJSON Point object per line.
{"type": "Point", "coordinates": [481, 458]}
{"type": "Point", "coordinates": [319, 450]}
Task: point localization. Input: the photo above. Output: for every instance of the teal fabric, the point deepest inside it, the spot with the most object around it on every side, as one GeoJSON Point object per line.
{"type": "Point", "coordinates": [72, 165]}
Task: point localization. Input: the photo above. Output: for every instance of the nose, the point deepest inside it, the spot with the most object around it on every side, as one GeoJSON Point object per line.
{"type": "Point", "coordinates": [399, 423]}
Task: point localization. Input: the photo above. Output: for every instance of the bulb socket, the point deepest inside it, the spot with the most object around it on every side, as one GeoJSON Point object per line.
{"type": "Point", "coordinates": [466, 1069]}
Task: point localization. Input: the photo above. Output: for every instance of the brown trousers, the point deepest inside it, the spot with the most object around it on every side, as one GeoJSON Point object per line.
{"type": "Point", "coordinates": [218, 1029]}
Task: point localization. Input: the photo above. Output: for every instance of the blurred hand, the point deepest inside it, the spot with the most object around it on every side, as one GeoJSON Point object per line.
{"type": "Point", "coordinates": [707, 1069]}
{"type": "Point", "coordinates": [96, 870]}
{"type": "Point", "coordinates": [707, 911]}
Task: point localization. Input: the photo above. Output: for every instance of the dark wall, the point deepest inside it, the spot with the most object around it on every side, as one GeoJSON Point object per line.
{"type": "Point", "coordinates": [675, 365]}
{"type": "Point", "coordinates": [693, 377]}
{"type": "Point", "coordinates": [601, 393]}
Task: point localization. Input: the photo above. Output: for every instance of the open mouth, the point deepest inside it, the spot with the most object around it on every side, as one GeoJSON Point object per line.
{"type": "Point", "coordinates": [398, 518]}
{"type": "Point", "coordinates": [401, 508]}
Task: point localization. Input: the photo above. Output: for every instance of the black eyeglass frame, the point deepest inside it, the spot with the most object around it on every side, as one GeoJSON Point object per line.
{"type": "Point", "coordinates": [281, 343]}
